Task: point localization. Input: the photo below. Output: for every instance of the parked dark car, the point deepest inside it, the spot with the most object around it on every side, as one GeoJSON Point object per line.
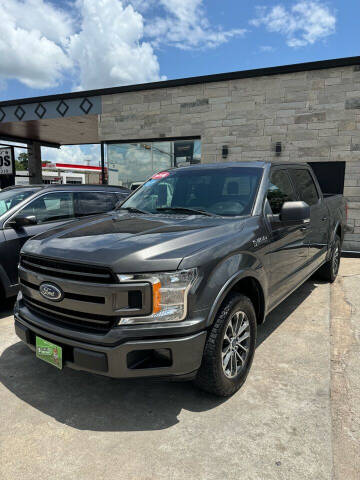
{"type": "Point", "coordinates": [29, 210]}
{"type": "Point", "coordinates": [175, 282]}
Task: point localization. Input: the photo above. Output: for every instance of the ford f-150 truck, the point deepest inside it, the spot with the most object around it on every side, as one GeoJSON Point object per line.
{"type": "Point", "coordinates": [175, 281]}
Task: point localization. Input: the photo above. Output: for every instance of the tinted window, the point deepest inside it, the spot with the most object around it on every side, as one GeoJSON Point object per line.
{"type": "Point", "coordinates": [280, 190]}
{"type": "Point", "coordinates": [305, 186]}
{"type": "Point", "coordinates": [91, 203]}
{"type": "Point", "coordinates": [121, 196]}
{"type": "Point", "coordinates": [237, 186]}
{"type": "Point", "coordinates": [10, 198]}
{"type": "Point", "coordinates": [224, 191]}
{"type": "Point", "coordinates": [50, 207]}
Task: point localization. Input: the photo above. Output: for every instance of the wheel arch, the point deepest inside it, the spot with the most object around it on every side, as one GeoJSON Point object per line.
{"type": "Point", "coordinates": [336, 230]}
{"type": "Point", "coordinates": [339, 231]}
{"type": "Point", "coordinates": [247, 284]}
{"type": "Point", "coordinates": [6, 288]}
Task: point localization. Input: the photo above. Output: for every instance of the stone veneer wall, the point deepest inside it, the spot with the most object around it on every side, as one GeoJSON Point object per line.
{"type": "Point", "coordinates": [315, 114]}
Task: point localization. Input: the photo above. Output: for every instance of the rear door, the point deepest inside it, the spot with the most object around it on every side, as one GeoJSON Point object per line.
{"type": "Point", "coordinates": [288, 252]}
{"type": "Point", "coordinates": [317, 233]}
{"type": "Point", "coordinates": [50, 210]}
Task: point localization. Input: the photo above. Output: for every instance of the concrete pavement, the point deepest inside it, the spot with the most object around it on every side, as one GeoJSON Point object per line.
{"type": "Point", "coordinates": [297, 416]}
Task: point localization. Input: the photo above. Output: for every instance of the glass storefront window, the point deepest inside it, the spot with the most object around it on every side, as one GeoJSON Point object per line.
{"type": "Point", "coordinates": [130, 164]}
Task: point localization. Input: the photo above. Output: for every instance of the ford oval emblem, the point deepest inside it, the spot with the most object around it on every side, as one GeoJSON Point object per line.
{"type": "Point", "coordinates": [51, 292]}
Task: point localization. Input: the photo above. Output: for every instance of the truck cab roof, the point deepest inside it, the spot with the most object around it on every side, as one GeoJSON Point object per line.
{"type": "Point", "coordinates": [251, 164]}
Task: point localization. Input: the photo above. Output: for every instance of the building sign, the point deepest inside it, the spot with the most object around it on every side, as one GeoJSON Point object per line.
{"type": "Point", "coordinates": [7, 161]}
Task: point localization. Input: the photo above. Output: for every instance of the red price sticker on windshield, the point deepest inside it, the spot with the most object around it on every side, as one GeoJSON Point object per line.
{"type": "Point", "coordinates": [160, 175]}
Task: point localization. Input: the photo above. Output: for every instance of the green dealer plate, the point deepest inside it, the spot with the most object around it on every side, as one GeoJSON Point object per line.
{"type": "Point", "coordinates": [49, 352]}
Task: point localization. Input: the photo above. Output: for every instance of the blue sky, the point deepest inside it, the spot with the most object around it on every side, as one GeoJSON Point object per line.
{"type": "Point", "coordinates": [57, 46]}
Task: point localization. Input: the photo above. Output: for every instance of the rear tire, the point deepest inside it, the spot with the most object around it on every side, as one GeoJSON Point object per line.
{"type": "Point", "coordinates": [330, 269]}
{"type": "Point", "coordinates": [229, 348]}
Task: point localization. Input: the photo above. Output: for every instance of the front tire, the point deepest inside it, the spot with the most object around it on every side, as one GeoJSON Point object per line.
{"type": "Point", "coordinates": [330, 269]}
{"type": "Point", "coordinates": [229, 348]}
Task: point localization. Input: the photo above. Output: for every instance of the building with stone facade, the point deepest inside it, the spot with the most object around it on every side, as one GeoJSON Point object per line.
{"type": "Point", "coordinates": [305, 112]}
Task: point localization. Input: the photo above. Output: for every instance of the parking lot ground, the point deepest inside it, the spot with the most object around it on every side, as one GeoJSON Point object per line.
{"type": "Point", "coordinates": [297, 416]}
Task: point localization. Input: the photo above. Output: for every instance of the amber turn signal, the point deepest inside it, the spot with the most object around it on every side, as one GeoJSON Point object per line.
{"type": "Point", "coordinates": [156, 297]}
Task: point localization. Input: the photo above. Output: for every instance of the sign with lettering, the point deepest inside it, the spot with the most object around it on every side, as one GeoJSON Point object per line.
{"type": "Point", "coordinates": [7, 161]}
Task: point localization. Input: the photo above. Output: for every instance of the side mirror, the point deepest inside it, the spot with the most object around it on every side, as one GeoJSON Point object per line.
{"type": "Point", "coordinates": [22, 221]}
{"type": "Point", "coordinates": [295, 213]}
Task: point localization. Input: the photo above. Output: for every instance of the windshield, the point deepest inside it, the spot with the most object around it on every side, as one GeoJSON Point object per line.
{"type": "Point", "coordinates": [226, 191]}
{"type": "Point", "coordinates": [10, 198]}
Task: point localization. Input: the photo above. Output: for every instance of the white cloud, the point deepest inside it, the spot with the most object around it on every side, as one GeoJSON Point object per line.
{"type": "Point", "coordinates": [32, 40]}
{"type": "Point", "coordinates": [103, 45]}
{"type": "Point", "coordinates": [306, 22]}
{"type": "Point", "coordinates": [186, 26]}
{"type": "Point", "coordinates": [73, 154]}
{"type": "Point", "coordinates": [98, 43]}
{"type": "Point", "coordinates": [109, 49]}
{"type": "Point", "coordinates": [140, 5]}
{"type": "Point", "coordinates": [78, 154]}
{"type": "Point", "coordinates": [53, 23]}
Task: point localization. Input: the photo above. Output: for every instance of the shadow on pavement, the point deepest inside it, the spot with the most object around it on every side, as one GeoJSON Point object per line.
{"type": "Point", "coordinates": [90, 402]}
{"type": "Point", "coordinates": [285, 309]}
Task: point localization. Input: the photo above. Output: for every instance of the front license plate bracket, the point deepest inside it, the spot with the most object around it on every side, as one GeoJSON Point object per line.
{"type": "Point", "coordinates": [49, 352]}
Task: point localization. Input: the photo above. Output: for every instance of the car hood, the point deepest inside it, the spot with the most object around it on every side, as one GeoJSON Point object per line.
{"type": "Point", "coordinates": [133, 242]}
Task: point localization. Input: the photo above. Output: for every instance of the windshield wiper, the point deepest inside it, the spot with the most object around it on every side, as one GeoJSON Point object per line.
{"type": "Point", "coordinates": [185, 210]}
{"type": "Point", "coordinates": [133, 210]}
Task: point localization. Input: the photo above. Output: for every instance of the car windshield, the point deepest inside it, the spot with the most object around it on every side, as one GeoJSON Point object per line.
{"type": "Point", "coordinates": [10, 198]}
{"type": "Point", "coordinates": [225, 191]}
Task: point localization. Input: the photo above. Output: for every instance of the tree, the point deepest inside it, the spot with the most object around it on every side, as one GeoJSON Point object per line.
{"type": "Point", "coordinates": [22, 161]}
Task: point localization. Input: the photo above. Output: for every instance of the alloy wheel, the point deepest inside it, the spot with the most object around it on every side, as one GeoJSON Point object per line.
{"type": "Point", "coordinates": [336, 260]}
{"type": "Point", "coordinates": [236, 344]}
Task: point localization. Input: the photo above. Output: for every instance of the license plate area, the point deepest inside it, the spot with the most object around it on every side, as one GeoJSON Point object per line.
{"type": "Point", "coordinates": [49, 352]}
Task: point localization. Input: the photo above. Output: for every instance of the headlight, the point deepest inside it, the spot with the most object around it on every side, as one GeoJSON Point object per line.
{"type": "Point", "coordinates": [169, 295]}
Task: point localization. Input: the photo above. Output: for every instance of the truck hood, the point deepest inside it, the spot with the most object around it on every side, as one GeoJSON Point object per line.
{"type": "Point", "coordinates": [133, 242]}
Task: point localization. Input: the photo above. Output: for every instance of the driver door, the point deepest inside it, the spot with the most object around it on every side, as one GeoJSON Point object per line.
{"type": "Point", "coordinates": [50, 210]}
{"type": "Point", "coordinates": [288, 252]}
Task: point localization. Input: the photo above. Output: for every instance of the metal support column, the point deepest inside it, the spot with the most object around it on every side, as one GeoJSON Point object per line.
{"type": "Point", "coordinates": [35, 165]}
{"type": "Point", "coordinates": [103, 177]}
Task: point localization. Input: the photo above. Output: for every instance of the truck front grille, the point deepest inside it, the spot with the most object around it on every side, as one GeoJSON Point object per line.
{"type": "Point", "coordinates": [67, 270]}
{"type": "Point", "coordinates": [69, 318]}
{"type": "Point", "coordinates": [92, 297]}
{"type": "Point", "coordinates": [70, 295]}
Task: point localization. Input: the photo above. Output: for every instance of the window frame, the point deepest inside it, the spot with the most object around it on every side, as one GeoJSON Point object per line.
{"type": "Point", "coordinates": [340, 166]}
{"type": "Point", "coordinates": [18, 205]}
{"type": "Point", "coordinates": [36, 198]}
{"type": "Point", "coordinates": [170, 139]}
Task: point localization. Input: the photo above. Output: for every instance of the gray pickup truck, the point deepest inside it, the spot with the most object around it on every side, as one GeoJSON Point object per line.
{"type": "Point", "coordinates": [174, 282]}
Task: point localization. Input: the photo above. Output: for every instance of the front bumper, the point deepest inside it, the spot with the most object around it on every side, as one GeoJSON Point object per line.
{"type": "Point", "coordinates": [162, 357]}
